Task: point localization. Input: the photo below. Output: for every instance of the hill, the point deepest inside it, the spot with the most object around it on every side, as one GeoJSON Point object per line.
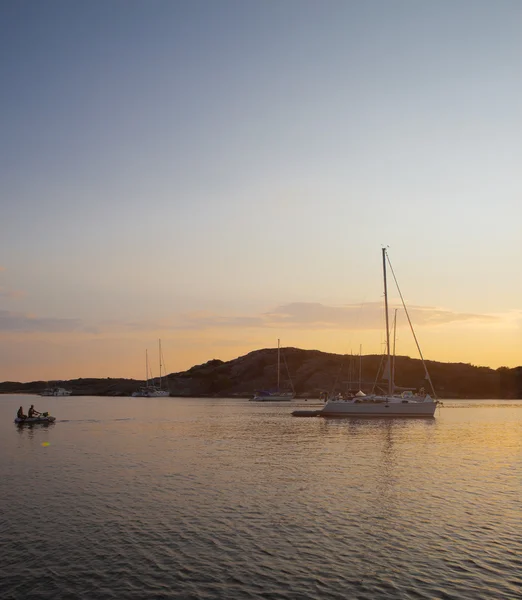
{"type": "Point", "coordinates": [311, 372]}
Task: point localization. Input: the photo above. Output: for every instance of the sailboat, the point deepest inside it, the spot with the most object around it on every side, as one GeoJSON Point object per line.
{"type": "Point", "coordinates": [406, 404]}
{"type": "Point", "coordinates": [277, 395]}
{"type": "Point", "coordinates": [149, 390]}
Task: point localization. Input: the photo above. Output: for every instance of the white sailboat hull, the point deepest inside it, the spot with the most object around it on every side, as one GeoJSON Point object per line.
{"type": "Point", "coordinates": [379, 409]}
{"type": "Point", "coordinates": [151, 394]}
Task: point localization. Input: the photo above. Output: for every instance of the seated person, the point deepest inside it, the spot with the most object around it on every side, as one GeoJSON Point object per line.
{"type": "Point", "coordinates": [20, 414]}
{"type": "Point", "coordinates": [32, 412]}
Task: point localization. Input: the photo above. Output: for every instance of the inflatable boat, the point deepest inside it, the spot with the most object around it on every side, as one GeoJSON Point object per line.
{"type": "Point", "coordinates": [43, 418]}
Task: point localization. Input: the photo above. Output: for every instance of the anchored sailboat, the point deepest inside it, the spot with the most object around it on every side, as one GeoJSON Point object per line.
{"type": "Point", "coordinates": [389, 405]}
{"type": "Point", "coordinates": [150, 390]}
{"type": "Point", "coordinates": [277, 395]}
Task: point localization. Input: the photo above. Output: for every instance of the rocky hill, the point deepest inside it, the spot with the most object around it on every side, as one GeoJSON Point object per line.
{"type": "Point", "coordinates": [311, 372]}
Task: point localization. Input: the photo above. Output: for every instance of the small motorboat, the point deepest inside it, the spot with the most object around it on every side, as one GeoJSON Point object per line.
{"type": "Point", "coordinates": [43, 418]}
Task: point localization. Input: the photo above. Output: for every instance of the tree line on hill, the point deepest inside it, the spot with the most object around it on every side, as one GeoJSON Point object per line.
{"type": "Point", "coordinates": [308, 373]}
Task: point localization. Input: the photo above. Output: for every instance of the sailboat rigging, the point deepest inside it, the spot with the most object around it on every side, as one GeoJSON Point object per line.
{"type": "Point", "coordinates": [150, 390]}
{"type": "Point", "coordinates": [405, 405]}
{"type": "Point", "coordinates": [277, 395]}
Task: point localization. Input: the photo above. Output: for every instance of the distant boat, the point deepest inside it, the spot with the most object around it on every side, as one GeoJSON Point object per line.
{"type": "Point", "coordinates": [55, 391]}
{"type": "Point", "coordinates": [276, 395]}
{"type": "Point", "coordinates": [406, 404]}
{"type": "Point", "coordinates": [149, 390]}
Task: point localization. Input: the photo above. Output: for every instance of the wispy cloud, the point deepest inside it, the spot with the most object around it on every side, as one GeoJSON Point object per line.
{"type": "Point", "coordinates": [11, 294]}
{"type": "Point", "coordinates": [295, 315]}
{"type": "Point", "coordinates": [369, 315]}
{"type": "Point", "coordinates": [312, 315]}
{"type": "Point", "coordinates": [204, 320]}
{"type": "Point", "coordinates": [20, 322]}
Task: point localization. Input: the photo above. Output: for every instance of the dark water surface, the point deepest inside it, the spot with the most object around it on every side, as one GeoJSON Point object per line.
{"type": "Point", "coordinates": [136, 498]}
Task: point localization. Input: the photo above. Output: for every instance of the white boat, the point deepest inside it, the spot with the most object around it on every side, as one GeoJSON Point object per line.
{"type": "Point", "coordinates": [406, 404]}
{"type": "Point", "coordinates": [381, 406]}
{"type": "Point", "coordinates": [277, 395]}
{"type": "Point", "coordinates": [56, 391]}
{"type": "Point", "coordinates": [149, 390]}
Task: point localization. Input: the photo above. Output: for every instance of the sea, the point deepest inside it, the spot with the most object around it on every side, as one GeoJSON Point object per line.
{"type": "Point", "coordinates": [186, 498]}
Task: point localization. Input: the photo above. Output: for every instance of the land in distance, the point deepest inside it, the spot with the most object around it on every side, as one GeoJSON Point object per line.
{"type": "Point", "coordinates": [311, 372]}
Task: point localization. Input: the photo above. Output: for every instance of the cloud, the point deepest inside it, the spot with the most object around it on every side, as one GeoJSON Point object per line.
{"type": "Point", "coordinates": [204, 320]}
{"type": "Point", "coordinates": [11, 294]}
{"type": "Point", "coordinates": [138, 325]}
{"type": "Point", "coordinates": [313, 315]}
{"type": "Point", "coordinates": [20, 322]}
{"type": "Point", "coordinates": [369, 315]}
{"type": "Point", "coordinates": [295, 315]}
{"type": "Point", "coordinates": [91, 329]}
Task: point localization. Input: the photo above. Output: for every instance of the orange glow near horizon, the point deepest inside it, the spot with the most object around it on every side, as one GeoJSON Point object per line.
{"type": "Point", "coordinates": [30, 357]}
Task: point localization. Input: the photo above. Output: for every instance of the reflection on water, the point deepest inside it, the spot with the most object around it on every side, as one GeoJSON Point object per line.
{"type": "Point", "coordinates": [30, 426]}
{"type": "Point", "coordinates": [180, 498]}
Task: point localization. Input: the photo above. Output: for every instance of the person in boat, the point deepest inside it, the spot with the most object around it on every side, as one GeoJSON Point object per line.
{"type": "Point", "coordinates": [32, 412]}
{"type": "Point", "coordinates": [20, 413]}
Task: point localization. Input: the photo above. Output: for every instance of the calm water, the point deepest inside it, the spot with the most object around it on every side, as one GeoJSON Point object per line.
{"type": "Point", "coordinates": [138, 498]}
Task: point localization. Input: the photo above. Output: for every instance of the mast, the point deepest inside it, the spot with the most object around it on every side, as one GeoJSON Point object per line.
{"type": "Point", "coordinates": [394, 339]}
{"type": "Point", "coordinates": [278, 363]}
{"type": "Point", "coordinates": [159, 343]}
{"type": "Point", "coordinates": [360, 366]}
{"type": "Point", "coordinates": [147, 367]}
{"type": "Point", "coordinates": [351, 371]}
{"type": "Point", "coordinates": [387, 320]}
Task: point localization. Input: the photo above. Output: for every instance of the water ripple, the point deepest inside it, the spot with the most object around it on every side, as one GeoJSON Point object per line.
{"type": "Point", "coordinates": [221, 499]}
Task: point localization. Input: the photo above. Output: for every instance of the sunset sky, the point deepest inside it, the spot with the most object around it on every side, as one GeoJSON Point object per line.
{"type": "Point", "coordinates": [221, 174]}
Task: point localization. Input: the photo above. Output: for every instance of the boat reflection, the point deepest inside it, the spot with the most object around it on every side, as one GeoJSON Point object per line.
{"type": "Point", "coordinates": [29, 427]}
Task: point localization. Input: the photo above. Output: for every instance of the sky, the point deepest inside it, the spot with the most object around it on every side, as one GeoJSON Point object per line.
{"type": "Point", "coordinates": [221, 175]}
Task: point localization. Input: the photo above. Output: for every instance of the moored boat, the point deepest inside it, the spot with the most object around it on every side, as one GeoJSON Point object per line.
{"type": "Point", "coordinates": [381, 406]}
{"type": "Point", "coordinates": [276, 395]}
{"type": "Point", "coordinates": [150, 390]}
{"type": "Point", "coordinates": [406, 404]}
